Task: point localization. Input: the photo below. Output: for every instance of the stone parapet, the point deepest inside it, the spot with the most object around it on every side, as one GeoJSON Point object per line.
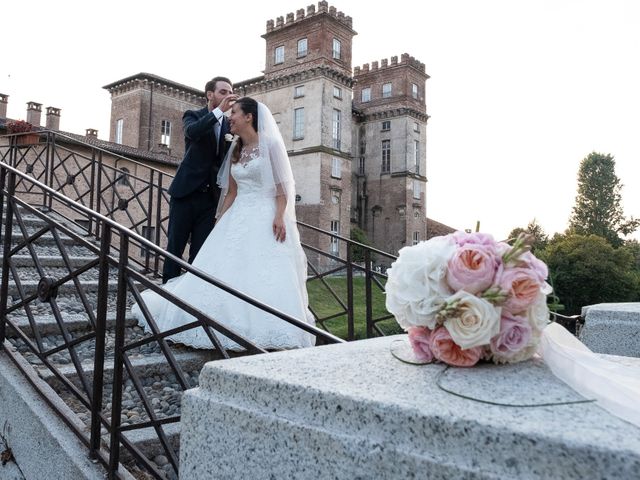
{"type": "Point", "coordinates": [354, 411]}
{"type": "Point", "coordinates": [612, 328]}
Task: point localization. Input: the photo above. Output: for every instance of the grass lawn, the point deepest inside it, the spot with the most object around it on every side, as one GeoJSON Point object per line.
{"type": "Point", "coordinates": [324, 304]}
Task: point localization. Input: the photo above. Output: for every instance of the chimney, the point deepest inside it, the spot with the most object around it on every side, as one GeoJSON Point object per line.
{"type": "Point", "coordinates": [4, 99]}
{"type": "Point", "coordinates": [53, 118]}
{"type": "Point", "coordinates": [91, 133]}
{"type": "Point", "coordinates": [34, 113]}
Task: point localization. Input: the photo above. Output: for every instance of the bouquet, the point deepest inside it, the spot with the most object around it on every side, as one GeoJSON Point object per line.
{"type": "Point", "coordinates": [464, 297]}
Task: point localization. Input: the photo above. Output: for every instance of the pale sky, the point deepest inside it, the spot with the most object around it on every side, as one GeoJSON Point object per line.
{"type": "Point", "coordinates": [520, 90]}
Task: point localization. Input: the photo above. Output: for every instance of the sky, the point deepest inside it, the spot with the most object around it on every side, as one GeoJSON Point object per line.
{"type": "Point", "coordinates": [520, 91]}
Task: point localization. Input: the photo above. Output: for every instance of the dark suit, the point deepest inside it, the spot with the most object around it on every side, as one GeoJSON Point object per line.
{"type": "Point", "coordinates": [194, 192]}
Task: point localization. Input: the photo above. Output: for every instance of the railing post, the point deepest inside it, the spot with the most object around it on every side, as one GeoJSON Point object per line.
{"type": "Point", "coordinates": [101, 328]}
{"type": "Point", "coordinates": [158, 232]}
{"type": "Point", "coordinates": [350, 325]}
{"type": "Point", "coordinates": [92, 184]}
{"type": "Point", "coordinates": [147, 253]}
{"type": "Point", "coordinates": [118, 362]}
{"type": "Point", "coordinates": [99, 190]}
{"type": "Point", "coordinates": [49, 175]}
{"type": "Point", "coordinates": [4, 287]}
{"type": "Point", "coordinates": [368, 292]}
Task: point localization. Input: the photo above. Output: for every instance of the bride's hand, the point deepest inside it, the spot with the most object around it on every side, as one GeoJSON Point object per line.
{"type": "Point", "coordinates": [279, 230]}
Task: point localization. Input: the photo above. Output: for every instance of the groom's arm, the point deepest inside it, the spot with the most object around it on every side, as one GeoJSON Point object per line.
{"type": "Point", "coordinates": [195, 127]}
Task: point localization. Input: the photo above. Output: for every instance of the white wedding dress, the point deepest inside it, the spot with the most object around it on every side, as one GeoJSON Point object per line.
{"type": "Point", "coordinates": [242, 252]}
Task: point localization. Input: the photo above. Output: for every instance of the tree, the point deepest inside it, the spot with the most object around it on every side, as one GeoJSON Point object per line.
{"type": "Point", "coordinates": [586, 270]}
{"type": "Point", "coordinates": [358, 235]}
{"type": "Point", "coordinates": [533, 228]}
{"type": "Point", "coordinates": [597, 210]}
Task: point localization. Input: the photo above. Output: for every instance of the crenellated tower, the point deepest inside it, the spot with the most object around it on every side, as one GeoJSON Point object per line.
{"type": "Point", "coordinates": [389, 145]}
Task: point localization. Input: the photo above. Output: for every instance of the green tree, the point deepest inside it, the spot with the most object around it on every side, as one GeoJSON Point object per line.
{"type": "Point", "coordinates": [358, 235]}
{"type": "Point", "coordinates": [533, 228]}
{"type": "Point", "coordinates": [597, 210]}
{"type": "Point", "coordinates": [586, 269]}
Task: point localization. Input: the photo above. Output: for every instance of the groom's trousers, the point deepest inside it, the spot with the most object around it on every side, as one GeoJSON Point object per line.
{"type": "Point", "coordinates": [191, 218]}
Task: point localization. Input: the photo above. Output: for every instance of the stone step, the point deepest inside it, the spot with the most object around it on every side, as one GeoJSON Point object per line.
{"type": "Point", "coordinates": [47, 325]}
{"type": "Point", "coordinates": [44, 239]}
{"type": "Point", "coordinates": [52, 260]}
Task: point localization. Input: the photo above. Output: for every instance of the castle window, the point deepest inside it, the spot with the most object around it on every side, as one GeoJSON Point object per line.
{"type": "Point", "coordinates": [298, 91]}
{"type": "Point", "coordinates": [337, 49]}
{"type": "Point", "coordinates": [123, 178]}
{"type": "Point", "coordinates": [417, 189]}
{"type": "Point", "coordinates": [337, 92]}
{"type": "Point", "coordinates": [336, 133]}
{"type": "Point", "coordinates": [278, 56]}
{"type": "Point", "coordinates": [386, 125]}
{"type": "Point", "coordinates": [336, 168]}
{"type": "Point", "coordinates": [416, 155]}
{"type": "Point", "coordinates": [302, 47]}
{"type": "Point", "coordinates": [119, 128]}
{"type": "Point", "coordinates": [298, 123]}
{"type": "Point", "coordinates": [335, 228]}
{"type": "Point", "coordinates": [414, 90]}
{"type": "Point", "coordinates": [386, 156]}
{"type": "Point", "coordinates": [361, 166]}
{"type": "Point", "coordinates": [165, 133]}
{"type": "Point", "coordinates": [366, 94]}
{"type": "Point", "coordinates": [416, 127]}
{"type": "Point", "coordinates": [386, 90]}
{"type": "Point", "coordinates": [416, 238]}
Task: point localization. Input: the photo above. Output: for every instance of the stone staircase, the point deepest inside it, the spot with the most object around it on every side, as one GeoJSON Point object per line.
{"type": "Point", "coordinates": [58, 255]}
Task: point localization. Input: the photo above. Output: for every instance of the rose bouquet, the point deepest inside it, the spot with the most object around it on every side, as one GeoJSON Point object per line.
{"type": "Point", "coordinates": [464, 297]}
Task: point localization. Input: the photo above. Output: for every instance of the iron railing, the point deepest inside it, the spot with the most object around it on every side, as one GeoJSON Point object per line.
{"type": "Point", "coordinates": [100, 383]}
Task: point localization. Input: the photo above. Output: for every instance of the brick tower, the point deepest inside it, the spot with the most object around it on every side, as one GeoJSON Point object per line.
{"type": "Point", "coordinates": [389, 191]}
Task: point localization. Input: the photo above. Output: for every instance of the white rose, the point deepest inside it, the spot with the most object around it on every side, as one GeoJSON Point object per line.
{"type": "Point", "coordinates": [228, 137]}
{"type": "Point", "coordinates": [475, 322]}
{"type": "Point", "coordinates": [416, 285]}
{"type": "Point", "coordinates": [538, 313]}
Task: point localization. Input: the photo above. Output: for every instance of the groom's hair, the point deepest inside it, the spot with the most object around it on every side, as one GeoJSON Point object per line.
{"type": "Point", "coordinates": [211, 84]}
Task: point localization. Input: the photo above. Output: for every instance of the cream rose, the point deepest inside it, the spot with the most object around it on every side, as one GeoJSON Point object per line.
{"type": "Point", "coordinates": [538, 313]}
{"type": "Point", "coordinates": [474, 322]}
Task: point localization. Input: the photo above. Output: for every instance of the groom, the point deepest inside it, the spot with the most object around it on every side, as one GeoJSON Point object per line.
{"type": "Point", "coordinates": [194, 191]}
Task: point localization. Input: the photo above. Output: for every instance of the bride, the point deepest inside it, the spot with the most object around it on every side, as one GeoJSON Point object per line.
{"type": "Point", "coordinates": [254, 247]}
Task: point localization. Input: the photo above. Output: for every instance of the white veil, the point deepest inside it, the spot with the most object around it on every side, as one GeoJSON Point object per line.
{"type": "Point", "coordinates": [277, 174]}
{"type": "Point", "coordinates": [615, 387]}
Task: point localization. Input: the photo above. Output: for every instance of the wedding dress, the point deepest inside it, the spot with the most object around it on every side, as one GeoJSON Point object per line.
{"type": "Point", "coordinates": [242, 252]}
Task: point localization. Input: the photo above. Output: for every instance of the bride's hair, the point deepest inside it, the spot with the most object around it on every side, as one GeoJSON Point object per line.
{"type": "Point", "coordinates": [247, 105]}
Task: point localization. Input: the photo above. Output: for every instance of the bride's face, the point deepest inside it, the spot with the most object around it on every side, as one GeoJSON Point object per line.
{"type": "Point", "coordinates": [239, 122]}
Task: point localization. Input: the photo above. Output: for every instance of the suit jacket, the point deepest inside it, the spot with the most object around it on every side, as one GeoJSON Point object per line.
{"type": "Point", "coordinates": [202, 159]}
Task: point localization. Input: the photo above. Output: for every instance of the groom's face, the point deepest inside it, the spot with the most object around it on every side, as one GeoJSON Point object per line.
{"type": "Point", "coordinates": [222, 89]}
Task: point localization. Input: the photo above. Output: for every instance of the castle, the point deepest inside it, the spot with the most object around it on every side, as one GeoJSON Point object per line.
{"type": "Point", "coordinates": [356, 136]}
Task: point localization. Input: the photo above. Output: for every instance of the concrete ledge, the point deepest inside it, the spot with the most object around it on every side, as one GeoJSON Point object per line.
{"type": "Point", "coordinates": [42, 444]}
{"type": "Point", "coordinates": [612, 328]}
{"type": "Point", "coordinates": [354, 412]}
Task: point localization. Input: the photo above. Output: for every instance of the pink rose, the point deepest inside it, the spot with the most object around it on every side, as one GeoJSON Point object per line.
{"type": "Point", "coordinates": [446, 350]}
{"type": "Point", "coordinates": [529, 260]}
{"type": "Point", "coordinates": [476, 238]}
{"type": "Point", "coordinates": [515, 334]}
{"type": "Point", "coordinates": [521, 286]}
{"type": "Point", "coordinates": [473, 268]}
{"type": "Point", "coordinates": [419, 340]}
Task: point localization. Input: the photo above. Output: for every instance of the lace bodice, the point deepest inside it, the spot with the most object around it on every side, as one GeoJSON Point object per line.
{"type": "Point", "coordinates": [248, 173]}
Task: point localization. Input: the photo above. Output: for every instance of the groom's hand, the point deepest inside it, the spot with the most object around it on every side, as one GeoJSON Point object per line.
{"type": "Point", "coordinates": [228, 101]}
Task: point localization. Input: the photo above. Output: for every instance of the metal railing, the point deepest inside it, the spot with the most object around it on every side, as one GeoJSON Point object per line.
{"type": "Point", "coordinates": [31, 183]}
